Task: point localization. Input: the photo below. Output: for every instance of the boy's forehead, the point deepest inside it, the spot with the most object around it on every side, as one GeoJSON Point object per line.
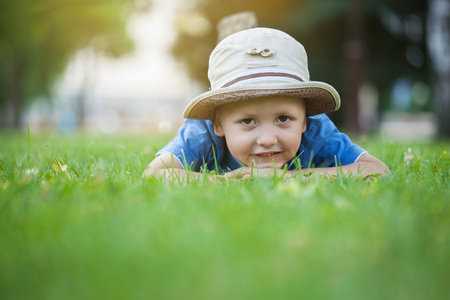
{"type": "Point", "coordinates": [268, 103]}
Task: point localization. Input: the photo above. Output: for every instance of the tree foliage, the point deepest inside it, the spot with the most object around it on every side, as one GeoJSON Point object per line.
{"type": "Point", "coordinates": [38, 37]}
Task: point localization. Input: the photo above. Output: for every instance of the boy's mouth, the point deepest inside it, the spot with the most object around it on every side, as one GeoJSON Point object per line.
{"type": "Point", "coordinates": [268, 154]}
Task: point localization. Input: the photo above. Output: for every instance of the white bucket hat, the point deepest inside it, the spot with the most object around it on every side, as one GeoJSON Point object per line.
{"type": "Point", "coordinates": [257, 63]}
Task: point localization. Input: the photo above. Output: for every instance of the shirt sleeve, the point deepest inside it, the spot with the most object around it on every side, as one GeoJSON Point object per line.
{"type": "Point", "coordinates": [193, 145]}
{"type": "Point", "coordinates": [324, 146]}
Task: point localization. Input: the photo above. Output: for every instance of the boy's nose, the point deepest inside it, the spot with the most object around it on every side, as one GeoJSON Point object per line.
{"type": "Point", "coordinates": [267, 137]}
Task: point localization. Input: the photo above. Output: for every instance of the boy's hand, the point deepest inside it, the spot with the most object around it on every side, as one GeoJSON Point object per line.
{"type": "Point", "coordinates": [246, 173]}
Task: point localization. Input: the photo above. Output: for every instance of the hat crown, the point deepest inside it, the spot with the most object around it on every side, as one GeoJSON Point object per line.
{"type": "Point", "coordinates": [257, 55]}
{"type": "Point", "coordinates": [257, 63]}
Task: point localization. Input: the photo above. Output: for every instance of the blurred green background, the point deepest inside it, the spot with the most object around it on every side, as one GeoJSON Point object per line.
{"type": "Point", "coordinates": [388, 59]}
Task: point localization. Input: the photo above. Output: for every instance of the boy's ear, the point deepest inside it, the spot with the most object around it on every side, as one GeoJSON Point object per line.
{"type": "Point", "coordinates": [218, 130]}
{"type": "Point", "coordinates": [304, 125]}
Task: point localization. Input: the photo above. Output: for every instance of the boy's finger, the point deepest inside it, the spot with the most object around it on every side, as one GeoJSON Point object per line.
{"type": "Point", "coordinates": [236, 174]}
{"type": "Point", "coordinates": [230, 174]}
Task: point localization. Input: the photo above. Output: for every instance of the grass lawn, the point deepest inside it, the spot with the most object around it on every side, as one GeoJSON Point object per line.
{"type": "Point", "coordinates": [77, 221]}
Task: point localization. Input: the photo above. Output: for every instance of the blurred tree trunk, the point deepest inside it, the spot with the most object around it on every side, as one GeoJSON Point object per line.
{"type": "Point", "coordinates": [354, 54]}
{"type": "Point", "coordinates": [81, 108]}
{"type": "Point", "coordinates": [16, 90]}
{"type": "Point", "coordinates": [87, 67]}
{"type": "Point", "coordinates": [439, 49]}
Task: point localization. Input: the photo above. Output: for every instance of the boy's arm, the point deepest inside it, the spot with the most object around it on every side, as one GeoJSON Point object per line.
{"type": "Point", "coordinates": [163, 163]}
{"type": "Point", "coordinates": [169, 167]}
{"type": "Point", "coordinates": [366, 165]}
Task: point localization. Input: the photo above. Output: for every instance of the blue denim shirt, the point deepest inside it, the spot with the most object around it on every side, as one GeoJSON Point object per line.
{"type": "Point", "coordinates": [322, 145]}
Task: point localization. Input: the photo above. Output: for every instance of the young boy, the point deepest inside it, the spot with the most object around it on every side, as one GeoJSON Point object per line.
{"type": "Point", "coordinates": [261, 114]}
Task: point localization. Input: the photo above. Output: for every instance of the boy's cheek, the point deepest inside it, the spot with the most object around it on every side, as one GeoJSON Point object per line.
{"type": "Point", "coordinates": [239, 151]}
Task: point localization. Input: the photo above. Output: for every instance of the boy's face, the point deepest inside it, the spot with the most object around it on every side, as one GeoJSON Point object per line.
{"type": "Point", "coordinates": [266, 131]}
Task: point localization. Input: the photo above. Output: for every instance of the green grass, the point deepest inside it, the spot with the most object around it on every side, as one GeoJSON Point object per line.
{"type": "Point", "coordinates": [99, 231]}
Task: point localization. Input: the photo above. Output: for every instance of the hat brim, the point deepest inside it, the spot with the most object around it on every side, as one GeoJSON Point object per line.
{"type": "Point", "coordinates": [320, 97]}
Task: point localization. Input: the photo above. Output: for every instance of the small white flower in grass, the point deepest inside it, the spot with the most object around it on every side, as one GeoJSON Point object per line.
{"type": "Point", "coordinates": [32, 171]}
{"type": "Point", "coordinates": [59, 167]}
{"type": "Point", "coordinates": [408, 156]}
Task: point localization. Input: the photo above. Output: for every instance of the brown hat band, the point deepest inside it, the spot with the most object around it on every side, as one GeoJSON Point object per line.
{"type": "Point", "coordinates": [267, 74]}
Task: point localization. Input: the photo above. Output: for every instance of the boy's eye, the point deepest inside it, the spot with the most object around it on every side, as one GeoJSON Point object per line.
{"type": "Point", "coordinates": [283, 119]}
{"type": "Point", "coordinates": [248, 121]}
